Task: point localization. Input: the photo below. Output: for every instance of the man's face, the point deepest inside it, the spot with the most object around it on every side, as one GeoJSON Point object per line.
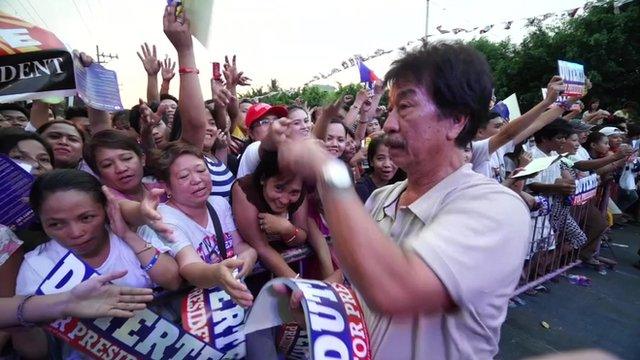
{"type": "Point", "coordinates": [493, 127]}
{"type": "Point", "coordinates": [415, 133]}
{"type": "Point", "coordinates": [260, 128]}
{"type": "Point", "coordinates": [615, 141]}
{"type": "Point", "coordinates": [15, 118]}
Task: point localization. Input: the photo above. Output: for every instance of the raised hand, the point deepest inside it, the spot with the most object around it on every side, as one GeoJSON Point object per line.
{"type": "Point", "coordinates": [96, 297]}
{"type": "Point", "coordinates": [148, 210]}
{"type": "Point", "coordinates": [231, 74]}
{"type": "Point", "coordinates": [149, 59]}
{"type": "Point", "coordinates": [149, 119]}
{"type": "Point", "coordinates": [168, 69]}
{"type": "Point", "coordinates": [554, 88]}
{"type": "Point", "coordinates": [361, 97]}
{"type": "Point", "coordinates": [378, 87]}
{"type": "Point", "coordinates": [177, 29]}
{"type": "Point", "coordinates": [221, 96]}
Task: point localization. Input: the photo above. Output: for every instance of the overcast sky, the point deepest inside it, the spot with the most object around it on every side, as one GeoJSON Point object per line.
{"type": "Point", "coordinates": [290, 40]}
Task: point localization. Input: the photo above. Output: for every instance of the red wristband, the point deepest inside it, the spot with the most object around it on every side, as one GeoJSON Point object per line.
{"type": "Point", "coordinates": [188, 70]}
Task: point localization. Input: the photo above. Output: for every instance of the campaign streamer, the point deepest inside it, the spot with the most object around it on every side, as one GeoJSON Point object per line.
{"type": "Point", "coordinates": [146, 335]}
{"type": "Point", "coordinates": [335, 325]}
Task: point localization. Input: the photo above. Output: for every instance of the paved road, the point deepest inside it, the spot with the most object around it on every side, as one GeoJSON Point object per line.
{"type": "Point", "coordinates": [605, 315]}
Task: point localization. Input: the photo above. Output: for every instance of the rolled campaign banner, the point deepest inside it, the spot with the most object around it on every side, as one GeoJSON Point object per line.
{"type": "Point", "coordinates": [335, 324]}
{"type": "Point", "coordinates": [146, 335]}
{"type": "Point", "coordinates": [34, 63]}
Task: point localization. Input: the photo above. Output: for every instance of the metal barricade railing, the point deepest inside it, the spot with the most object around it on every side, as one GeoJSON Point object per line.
{"type": "Point", "coordinates": [560, 229]}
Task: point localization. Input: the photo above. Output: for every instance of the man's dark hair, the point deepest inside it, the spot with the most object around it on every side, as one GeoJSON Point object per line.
{"type": "Point", "coordinates": [15, 107]}
{"type": "Point", "coordinates": [75, 111]}
{"type": "Point", "coordinates": [557, 127]}
{"type": "Point", "coordinates": [168, 97]}
{"type": "Point", "coordinates": [456, 77]}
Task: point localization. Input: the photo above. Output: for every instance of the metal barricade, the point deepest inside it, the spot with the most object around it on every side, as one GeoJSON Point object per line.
{"type": "Point", "coordinates": [560, 229]}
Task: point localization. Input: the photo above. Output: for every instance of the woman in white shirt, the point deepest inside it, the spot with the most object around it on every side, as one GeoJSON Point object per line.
{"type": "Point", "coordinates": [190, 213]}
{"type": "Point", "coordinates": [71, 207]}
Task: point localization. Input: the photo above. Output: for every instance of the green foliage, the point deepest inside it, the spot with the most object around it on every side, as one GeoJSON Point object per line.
{"type": "Point", "coordinates": [607, 44]}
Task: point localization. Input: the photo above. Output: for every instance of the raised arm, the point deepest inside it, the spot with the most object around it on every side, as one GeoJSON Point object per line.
{"type": "Point", "coordinates": [234, 78]}
{"type": "Point", "coordinates": [167, 72]}
{"type": "Point", "coordinates": [517, 126]}
{"type": "Point", "coordinates": [327, 113]}
{"type": "Point", "coordinates": [192, 110]}
{"type": "Point", "coordinates": [354, 110]}
{"type": "Point", "coordinates": [151, 65]}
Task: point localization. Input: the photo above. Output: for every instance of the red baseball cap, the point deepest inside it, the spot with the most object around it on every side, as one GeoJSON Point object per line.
{"type": "Point", "coordinates": [258, 111]}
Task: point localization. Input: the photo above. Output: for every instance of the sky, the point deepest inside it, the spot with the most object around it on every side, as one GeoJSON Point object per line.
{"type": "Point", "coordinates": [289, 40]}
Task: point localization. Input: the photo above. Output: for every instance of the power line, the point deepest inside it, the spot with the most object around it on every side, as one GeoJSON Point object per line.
{"type": "Point", "coordinates": [38, 15]}
{"type": "Point", "coordinates": [84, 22]}
{"type": "Point", "coordinates": [15, 12]}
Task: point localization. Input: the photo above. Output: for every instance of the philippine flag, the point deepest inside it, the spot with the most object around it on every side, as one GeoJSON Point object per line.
{"type": "Point", "coordinates": [366, 75]}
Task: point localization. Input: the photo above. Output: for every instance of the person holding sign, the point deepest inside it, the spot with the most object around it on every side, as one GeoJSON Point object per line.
{"type": "Point", "coordinates": [444, 267]}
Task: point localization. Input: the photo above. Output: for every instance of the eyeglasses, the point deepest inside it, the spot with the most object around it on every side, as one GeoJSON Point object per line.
{"type": "Point", "coordinates": [261, 123]}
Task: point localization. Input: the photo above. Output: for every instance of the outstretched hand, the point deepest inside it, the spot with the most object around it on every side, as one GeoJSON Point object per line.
{"type": "Point", "coordinates": [234, 287]}
{"type": "Point", "coordinates": [149, 58]}
{"type": "Point", "coordinates": [96, 297]}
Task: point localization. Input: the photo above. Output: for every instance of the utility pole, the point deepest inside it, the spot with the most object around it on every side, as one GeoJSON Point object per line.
{"type": "Point", "coordinates": [426, 26]}
{"type": "Point", "coordinates": [100, 57]}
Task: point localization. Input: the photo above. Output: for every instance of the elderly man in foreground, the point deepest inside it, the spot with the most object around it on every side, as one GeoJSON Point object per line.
{"type": "Point", "coordinates": [436, 257]}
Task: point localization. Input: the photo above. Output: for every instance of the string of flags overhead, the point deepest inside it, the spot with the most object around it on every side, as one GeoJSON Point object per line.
{"type": "Point", "coordinates": [357, 59]}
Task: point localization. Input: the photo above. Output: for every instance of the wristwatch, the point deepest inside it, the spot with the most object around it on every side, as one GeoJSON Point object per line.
{"type": "Point", "coordinates": [336, 175]}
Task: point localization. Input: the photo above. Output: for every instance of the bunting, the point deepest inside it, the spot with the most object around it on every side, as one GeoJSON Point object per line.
{"type": "Point", "coordinates": [481, 30]}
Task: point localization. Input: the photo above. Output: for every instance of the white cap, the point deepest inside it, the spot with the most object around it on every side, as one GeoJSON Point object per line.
{"type": "Point", "coordinates": [610, 130]}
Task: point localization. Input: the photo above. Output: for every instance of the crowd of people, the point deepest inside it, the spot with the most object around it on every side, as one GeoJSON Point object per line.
{"type": "Point", "coordinates": [415, 206]}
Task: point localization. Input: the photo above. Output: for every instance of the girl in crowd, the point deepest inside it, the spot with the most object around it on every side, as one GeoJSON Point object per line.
{"type": "Point", "coordinates": [74, 212]}
{"type": "Point", "coordinates": [381, 169]}
{"type": "Point", "coordinates": [335, 139]}
{"type": "Point", "coordinates": [271, 211]}
{"type": "Point", "coordinates": [119, 162]}
{"type": "Point", "coordinates": [67, 142]}
{"type": "Point", "coordinates": [193, 216]}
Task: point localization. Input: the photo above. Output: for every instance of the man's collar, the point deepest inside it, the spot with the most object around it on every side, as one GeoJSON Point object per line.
{"type": "Point", "coordinates": [424, 205]}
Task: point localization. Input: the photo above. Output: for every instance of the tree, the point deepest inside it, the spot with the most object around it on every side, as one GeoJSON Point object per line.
{"type": "Point", "coordinates": [608, 45]}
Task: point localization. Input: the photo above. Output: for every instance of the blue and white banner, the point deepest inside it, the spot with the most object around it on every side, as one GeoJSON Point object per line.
{"type": "Point", "coordinates": [146, 335]}
{"type": "Point", "coordinates": [586, 188]}
{"type": "Point", "coordinates": [335, 326]}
